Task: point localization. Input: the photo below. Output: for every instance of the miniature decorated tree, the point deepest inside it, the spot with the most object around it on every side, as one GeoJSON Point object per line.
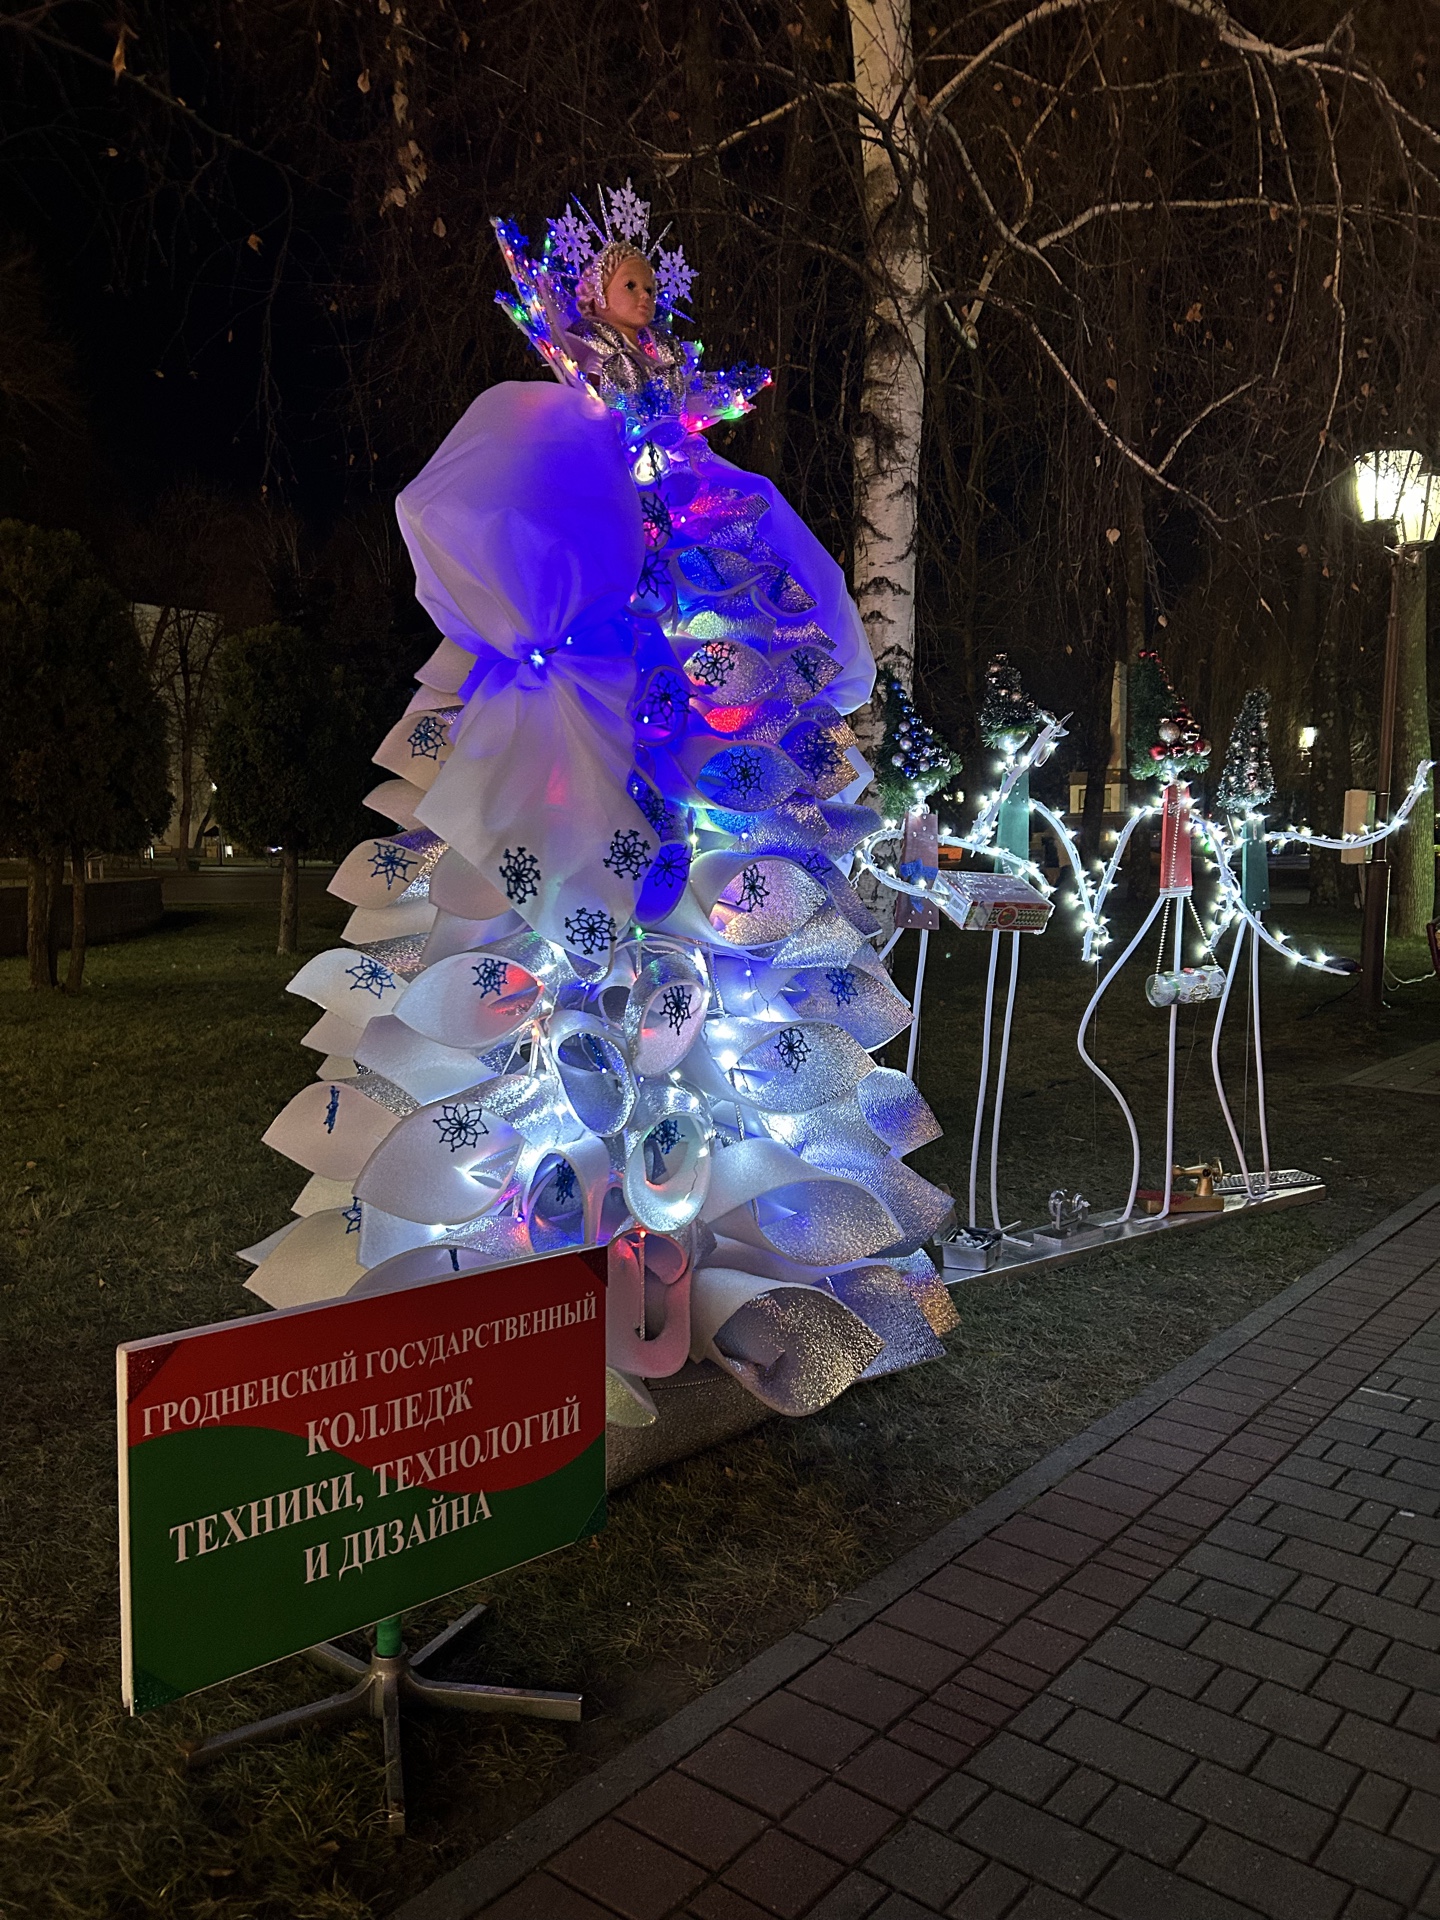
{"type": "Point", "coordinates": [1165, 738]}
{"type": "Point", "coordinates": [1247, 786]}
{"type": "Point", "coordinates": [913, 761]}
{"type": "Point", "coordinates": [1008, 716]}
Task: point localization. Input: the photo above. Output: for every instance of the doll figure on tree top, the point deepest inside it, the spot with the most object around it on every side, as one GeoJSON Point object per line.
{"type": "Point", "coordinates": [608, 979]}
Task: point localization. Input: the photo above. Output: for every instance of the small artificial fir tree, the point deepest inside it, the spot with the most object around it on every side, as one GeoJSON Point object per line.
{"type": "Point", "coordinates": [913, 760]}
{"type": "Point", "coordinates": [1165, 738]}
{"type": "Point", "coordinates": [1008, 716]}
{"type": "Point", "coordinates": [1247, 786]}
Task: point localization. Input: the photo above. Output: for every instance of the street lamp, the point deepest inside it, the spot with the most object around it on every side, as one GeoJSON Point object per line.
{"type": "Point", "coordinates": [1393, 488]}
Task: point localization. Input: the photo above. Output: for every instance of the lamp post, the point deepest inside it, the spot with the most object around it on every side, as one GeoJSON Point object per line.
{"type": "Point", "coordinates": [1393, 488]}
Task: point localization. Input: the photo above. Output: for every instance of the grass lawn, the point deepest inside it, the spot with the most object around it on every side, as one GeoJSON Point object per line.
{"type": "Point", "coordinates": [132, 1166]}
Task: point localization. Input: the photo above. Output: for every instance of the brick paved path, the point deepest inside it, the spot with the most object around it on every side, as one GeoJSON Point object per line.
{"type": "Point", "coordinates": [1197, 1677]}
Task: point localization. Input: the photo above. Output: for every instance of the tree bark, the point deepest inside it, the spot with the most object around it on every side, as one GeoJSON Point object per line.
{"type": "Point", "coordinates": [37, 921]}
{"type": "Point", "coordinates": [75, 974]}
{"type": "Point", "coordinates": [186, 806]}
{"type": "Point", "coordinates": [289, 901]}
{"type": "Point", "coordinates": [1412, 853]}
{"type": "Point", "coordinates": [892, 401]}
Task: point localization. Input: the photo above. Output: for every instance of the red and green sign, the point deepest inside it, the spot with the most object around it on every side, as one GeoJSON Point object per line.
{"type": "Point", "coordinates": [291, 1477]}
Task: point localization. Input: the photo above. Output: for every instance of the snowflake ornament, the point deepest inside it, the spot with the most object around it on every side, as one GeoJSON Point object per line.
{"type": "Point", "coordinates": [666, 1136]}
{"type": "Point", "coordinates": [842, 984]}
{"type": "Point", "coordinates": [369, 976]}
{"type": "Point", "coordinates": [520, 872]}
{"type": "Point", "coordinates": [754, 889]}
{"type": "Point", "coordinates": [351, 1216]}
{"type": "Point", "coordinates": [460, 1126]}
{"type": "Point", "coordinates": [675, 1008]}
{"type": "Point", "coordinates": [426, 738]}
{"type": "Point", "coordinates": [490, 977]}
{"type": "Point", "coordinates": [332, 1110]}
{"type": "Point", "coordinates": [674, 277]}
{"type": "Point", "coordinates": [792, 1049]}
{"type": "Point", "coordinates": [627, 216]}
{"type": "Point", "coordinates": [629, 854]}
{"type": "Point", "coordinates": [574, 238]}
{"type": "Point", "coordinates": [590, 930]}
{"type": "Point", "coordinates": [390, 863]}
{"type": "Point", "coordinates": [565, 1184]}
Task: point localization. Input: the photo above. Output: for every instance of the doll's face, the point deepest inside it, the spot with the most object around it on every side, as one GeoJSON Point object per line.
{"type": "Point", "coordinates": [630, 296]}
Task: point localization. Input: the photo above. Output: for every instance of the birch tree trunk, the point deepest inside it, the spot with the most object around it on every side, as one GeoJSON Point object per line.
{"type": "Point", "coordinates": [892, 403]}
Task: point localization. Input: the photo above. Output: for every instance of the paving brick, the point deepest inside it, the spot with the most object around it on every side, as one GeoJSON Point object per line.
{"type": "Point", "coordinates": [950, 1801]}
{"type": "Point", "coordinates": [805, 1728]}
{"type": "Point", "coordinates": [1020, 1767]}
{"type": "Point", "coordinates": [1328, 1563]}
{"type": "Point", "coordinates": [977, 1697]}
{"type": "Point", "coordinates": [1309, 1775]}
{"type": "Point", "coordinates": [1098, 1489]}
{"type": "Point", "coordinates": [1249, 1807]}
{"type": "Point", "coordinates": [946, 1748]}
{"type": "Point", "coordinates": [1077, 1798]}
{"type": "Point", "coordinates": [923, 1863]}
{"type": "Point", "coordinates": [1114, 1464]}
{"type": "Point", "coordinates": [1035, 1842]}
{"type": "Point", "coordinates": [852, 1898]}
{"type": "Point", "coordinates": [1064, 1507]}
{"type": "Point", "coordinates": [1045, 1538]}
{"type": "Point", "coordinates": [1282, 1889]}
{"type": "Point", "coordinates": [992, 1893]}
{"type": "Point", "coordinates": [1041, 1717]}
{"type": "Point", "coordinates": [1375, 1801]}
{"type": "Point", "coordinates": [1088, 1685]}
{"type": "Point", "coordinates": [855, 1691]}
{"type": "Point", "coordinates": [1219, 1602]}
{"type": "Point", "coordinates": [979, 1593]}
{"type": "Point", "coordinates": [1138, 1890]}
{"type": "Point", "coordinates": [1045, 1648]}
{"type": "Point", "coordinates": [1365, 1693]}
{"type": "Point", "coordinates": [719, 1902]}
{"type": "Point", "coordinates": [937, 1620]}
{"type": "Point", "coordinates": [1144, 1825]}
{"type": "Point", "coordinates": [1013, 1565]}
{"type": "Point", "coordinates": [1196, 1729]}
{"type": "Point", "coordinates": [1369, 1906]}
{"type": "Point", "coordinates": [1043, 1903]}
{"type": "Point", "coordinates": [1400, 1756]}
{"type": "Point", "coordinates": [1108, 1584]}
{"type": "Point", "coordinates": [1363, 1649]}
{"type": "Point", "coordinates": [1146, 1659]}
{"type": "Point", "coordinates": [693, 1819]}
{"type": "Point", "coordinates": [840, 1822]}
{"type": "Point", "coordinates": [782, 1875]}
{"type": "Point", "coordinates": [1384, 1866]}
{"type": "Point", "coordinates": [751, 1771]}
{"type": "Point", "coordinates": [635, 1875]}
{"type": "Point", "coordinates": [900, 1656]}
{"type": "Point", "coordinates": [1257, 1653]}
{"type": "Point", "coordinates": [891, 1774]}
{"type": "Point", "coordinates": [1383, 1616]}
{"type": "Point", "coordinates": [1298, 1484]}
{"type": "Point", "coordinates": [1418, 1822]}
{"type": "Point", "coordinates": [1408, 1589]}
{"type": "Point", "coordinates": [1018, 1674]}
{"type": "Point", "coordinates": [1120, 1751]}
{"type": "Point", "coordinates": [1421, 1714]}
{"type": "Point", "coordinates": [1229, 1691]}
{"type": "Point", "coordinates": [899, 1906]}
{"type": "Point", "coordinates": [1157, 1453]}
{"type": "Point", "coordinates": [1241, 1536]}
{"type": "Point", "coordinates": [1309, 1591]}
{"type": "Point", "coordinates": [1302, 1628]}
{"type": "Point", "coordinates": [1158, 1620]}
{"type": "Point", "coordinates": [956, 1726]}
{"type": "Point", "coordinates": [1073, 1612]}
{"type": "Point", "coordinates": [1188, 1511]}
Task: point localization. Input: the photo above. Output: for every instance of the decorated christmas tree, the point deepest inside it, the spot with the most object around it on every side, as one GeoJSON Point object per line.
{"type": "Point", "coordinates": [1247, 786]}
{"type": "Point", "coordinates": [1008, 716]}
{"type": "Point", "coordinates": [913, 761]}
{"type": "Point", "coordinates": [1165, 738]}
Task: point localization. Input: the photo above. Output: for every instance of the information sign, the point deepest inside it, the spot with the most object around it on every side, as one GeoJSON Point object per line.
{"type": "Point", "coordinates": [297, 1475]}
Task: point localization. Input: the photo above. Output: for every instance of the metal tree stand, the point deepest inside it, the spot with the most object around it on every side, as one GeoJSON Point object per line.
{"type": "Point", "coordinates": [390, 1676]}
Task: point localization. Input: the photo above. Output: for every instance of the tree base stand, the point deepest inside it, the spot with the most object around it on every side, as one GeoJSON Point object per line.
{"type": "Point", "coordinates": [390, 1676]}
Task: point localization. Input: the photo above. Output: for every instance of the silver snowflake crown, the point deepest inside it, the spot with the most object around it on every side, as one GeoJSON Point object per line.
{"type": "Point", "coordinates": [581, 242]}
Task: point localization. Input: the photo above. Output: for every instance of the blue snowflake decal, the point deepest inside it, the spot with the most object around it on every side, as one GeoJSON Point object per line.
{"type": "Point", "coordinates": [368, 976]}
{"type": "Point", "coordinates": [808, 666]}
{"type": "Point", "coordinates": [565, 1184]}
{"type": "Point", "coordinates": [332, 1110]}
{"type": "Point", "coordinates": [671, 866]}
{"type": "Point", "coordinates": [744, 771]}
{"type": "Point", "coordinates": [713, 663]}
{"type": "Point", "coordinates": [390, 863]}
{"type": "Point", "coordinates": [654, 576]}
{"type": "Point", "coordinates": [490, 977]}
{"type": "Point", "coordinates": [792, 1048]}
{"type": "Point", "coordinates": [628, 855]}
{"type": "Point", "coordinates": [843, 985]}
{"type": "Point", "coordinates": [754, 889]}
{"type": "Point", "coordinates": [666, 1135]}
{"type": "Point", "coordinates": [819, 756]}
{"type": "Point", "coordinates": [648, 801]}
{"type": "Point", "coordinates": [590, 930]}
{"type": "Point", "coordinates": [460, 1126]}
{"type": "Point", "coordinates": [520, 872]}
{"type": "Point", "coordinates": [814, 862]}
{"type": "Point", "coordinates": [426, 738]}
{"type": "Point", "coordinates": [351, 1216]}
{"type": "Point", "coordinates": [656, 515]}
{"type": "Point", "coordinates": [666, 703]}
{"type": "Point", "coordinates": [675, 1008]}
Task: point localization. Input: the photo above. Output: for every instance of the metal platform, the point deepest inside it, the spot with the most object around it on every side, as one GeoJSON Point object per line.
{"type": "Point", "coordinates": [1035, 1249]}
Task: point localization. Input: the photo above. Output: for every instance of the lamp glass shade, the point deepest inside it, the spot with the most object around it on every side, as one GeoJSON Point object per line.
{"type": "Point", "coordinates": [1391, 485]}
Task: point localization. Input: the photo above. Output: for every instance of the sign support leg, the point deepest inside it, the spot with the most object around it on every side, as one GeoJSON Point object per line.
{"type": "Point", "coordinates": [380, 1685]}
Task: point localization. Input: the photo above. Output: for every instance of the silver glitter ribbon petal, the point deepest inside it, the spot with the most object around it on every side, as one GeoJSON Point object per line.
{"type": "Point", "coordinates": [795, 1348]}
{"type": "Point", "coordinates": [797, 1068]}
{"type": "Point", "coordinates": [895, 1110]}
